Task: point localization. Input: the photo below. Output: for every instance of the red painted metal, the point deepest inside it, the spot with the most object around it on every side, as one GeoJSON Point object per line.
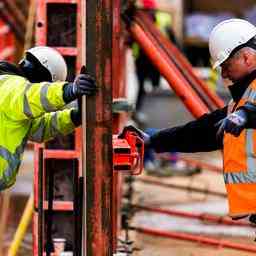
{"type": "Point", "coordinates": [197, 238]}
{"type": "Point", "coordinates": [128, 154]}
{"type": "Point", "coordinates": [7, 44]}
{"type": "Point", "coordinates": [15, 12]}
{"type": "Point", "coordinates": [168, 70]}
{"type": "Point", "coordinates": [58, 154]}
{"type": "Point", "coordinates": [182, 63]}
{"type": "Point", "coordinates": [156, 182]}
{"type": "Point", "coordinates": [9, 19]}
{"type": "Point", "coordinates": [119, 119]}
{"type": "Point", "coordinates": [205, 217]}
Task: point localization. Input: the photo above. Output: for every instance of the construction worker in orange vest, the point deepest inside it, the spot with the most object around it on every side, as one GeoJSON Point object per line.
{"type": "Point", "coordinates": [232, 129]}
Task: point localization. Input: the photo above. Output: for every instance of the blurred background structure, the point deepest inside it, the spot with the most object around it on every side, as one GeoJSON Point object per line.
{"type": "Point", "coordinates": [178, 205]}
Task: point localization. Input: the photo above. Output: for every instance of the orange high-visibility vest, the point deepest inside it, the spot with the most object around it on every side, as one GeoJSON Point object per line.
{"type": "Point", "coordinates": [239, 162]}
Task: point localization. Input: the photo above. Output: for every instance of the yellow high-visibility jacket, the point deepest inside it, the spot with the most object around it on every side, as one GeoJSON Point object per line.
{"type": "Point", "coordinates": [28, 111]}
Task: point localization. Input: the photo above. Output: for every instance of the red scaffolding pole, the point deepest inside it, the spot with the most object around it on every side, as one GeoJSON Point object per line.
{"type": "Point", "coordinates": [186, 69]}
{"type": "Point", "coordinates": [167, 69]}
{"type": "Point", "coordinates": [205, 217]}
{"type": "Point", "coordinates": [197, 239]}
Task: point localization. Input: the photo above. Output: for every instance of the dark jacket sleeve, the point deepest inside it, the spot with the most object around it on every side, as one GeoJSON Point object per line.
{"type": "Point", "coordinates": [195, 136]}
{"type": "Point", "coordinates": [250, 109]}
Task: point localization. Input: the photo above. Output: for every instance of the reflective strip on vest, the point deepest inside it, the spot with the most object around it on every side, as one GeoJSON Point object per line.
{"type": "Point", "coordinates": [54, 127]}
{"type": "Point", "coordinates": [27, 110]}
{"type": "Point", "coordinates": [250, 175]}
{"type": "Point", "coordinates": [39, 133]}
{"type": "Point", "coordinates": [13, 161]}
{"type": "Point", "coordinates": [43, 98]}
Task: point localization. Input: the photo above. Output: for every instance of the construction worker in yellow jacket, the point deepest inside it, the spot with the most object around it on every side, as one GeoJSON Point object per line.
{"type": "Point", "coordinates": [232, 129]}
{"type": "Point", "coordinates": [33, 95]}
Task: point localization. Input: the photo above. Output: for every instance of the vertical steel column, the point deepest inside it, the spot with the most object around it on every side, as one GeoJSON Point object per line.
{"type": "Point", "coordinates": [116, 74]}
{"type": "Point", "coordinates": [99, 129]}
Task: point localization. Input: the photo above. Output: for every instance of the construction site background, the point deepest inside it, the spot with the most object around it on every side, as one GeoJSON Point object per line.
{"type": "Point", "coordinates": [162, 108]}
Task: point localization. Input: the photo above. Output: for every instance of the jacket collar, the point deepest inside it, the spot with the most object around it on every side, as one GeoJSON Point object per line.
{"type": "Point", "coordinates": [7, 68]}
{"type": "Point", "coordinates": [238, 88]}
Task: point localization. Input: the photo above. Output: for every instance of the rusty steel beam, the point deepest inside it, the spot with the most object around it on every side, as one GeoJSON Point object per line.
{"type": "Point", "coordinates": [116, 85]}
{"type": "Point", "coordinates": [98, 126]}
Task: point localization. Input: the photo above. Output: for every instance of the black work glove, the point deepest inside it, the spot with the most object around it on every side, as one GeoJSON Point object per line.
{"type": "Point", "coordinates": [140, 133]}
{"type": "Point", "coordinates": [76, 117]}
{"type": "Point", "coordinates": [83, 84]}
{"type": "Point", "coordinates": [233, 123]}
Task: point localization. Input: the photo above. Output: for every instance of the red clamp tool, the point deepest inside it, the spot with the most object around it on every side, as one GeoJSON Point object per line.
{"type": "Point", "coordinates": [128, 153]}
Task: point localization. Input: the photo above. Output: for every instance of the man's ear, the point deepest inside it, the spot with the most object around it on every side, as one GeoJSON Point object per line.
{"type": "Point", "coordinates": [249, 58]}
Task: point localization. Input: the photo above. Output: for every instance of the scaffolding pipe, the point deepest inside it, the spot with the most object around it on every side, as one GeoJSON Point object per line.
{"type": "Point", "coordinates": [15, 12]}
{"type": "Point", "coordinates": [149, 27]}
{"type": "Point", "coordinates": [168, 70]}
{"type": "Point", "coordinates": [22, 228]}
{"type": "Point", "coordinates": [205, 217]}
{"type": "Point", "coordinates": [184, 66]}
{"type": "Point", "coordinates": [180, 187]}
{"type": "Point", "coordinates": [197, 239]}
{"type": "Point", "coordinates": [19, 31]}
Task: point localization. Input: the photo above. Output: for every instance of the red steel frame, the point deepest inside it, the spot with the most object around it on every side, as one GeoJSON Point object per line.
{"type": "Point", "coordinates": [197, 239]}
{"type": "Point", "coordinates": [41, 39]}
{"type": "Point", "coordinates": [168, 70]}
{"type": "Point", "coordinates": [182, 63]}
{"type": "Point", "coordinates": [118, 60]}
{"type": "Point", "coordinates": [7, 44]}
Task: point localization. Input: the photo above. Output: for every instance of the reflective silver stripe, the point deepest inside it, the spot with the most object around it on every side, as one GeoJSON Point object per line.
{"type": "Point", "coordinates": [230, 106]}
{"type": "Point", "coordinates": [26, 107]}
{"type": "Point", "coordinates": [54, 125]}
{"type": "Point", "coordinates": [250, 175]}
{"type": "Point", "coordinates": [3, 77]}
{"type": "Point", "coordinates": [37, 136]}
{"type": "Point", "coordinates": [239, 177]}
{"type": "Point", "coordinates": [247, 93]}
{"type": "Point", "coordinates": [252, 95]}
{"type": "Point", "coordinates": [44, 100]}
{"type": "Point", "coordinates": [251, 161]}
{"type": "Point", "coordinates": [13, 163]}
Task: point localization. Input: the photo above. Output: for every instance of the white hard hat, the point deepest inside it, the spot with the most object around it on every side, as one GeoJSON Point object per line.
{"type": "Point", "coordinates": [52, 60]}
{"type": "Point", "coordinates": [227, 36]}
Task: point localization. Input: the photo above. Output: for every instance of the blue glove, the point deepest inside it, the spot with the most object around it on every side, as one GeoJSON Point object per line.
{"type": "Point", "coordinates": [82, 85]}
{"type": "Point", "coordinates": [140, 133]}
{"type": "Point", "coordinates": [233, 123]}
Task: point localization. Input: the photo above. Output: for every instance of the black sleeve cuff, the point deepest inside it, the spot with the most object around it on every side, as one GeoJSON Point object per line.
{"type": "Point", "coordinates": [250, 109]}
{"type": "Point", "coordinates": [68, 95]}
{"type": "Point", "coordinates": [76, 117]}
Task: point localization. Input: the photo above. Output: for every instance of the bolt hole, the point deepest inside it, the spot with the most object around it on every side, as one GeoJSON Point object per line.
{"type": "Point", "coordinates": [40, 24]}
